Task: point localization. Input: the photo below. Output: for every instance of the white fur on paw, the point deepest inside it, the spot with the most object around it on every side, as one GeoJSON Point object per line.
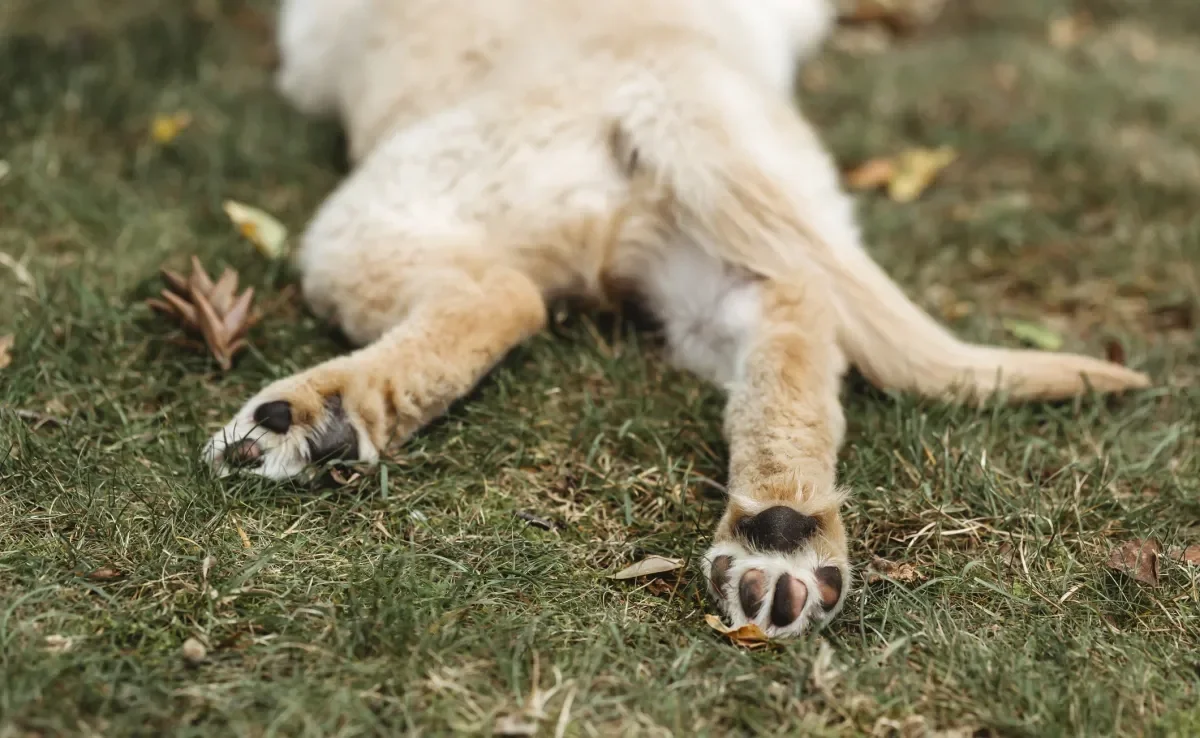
{"type": "Point", "coordinates": [246, 444]}
{"type": "Point", "coordinates": [814, 593]}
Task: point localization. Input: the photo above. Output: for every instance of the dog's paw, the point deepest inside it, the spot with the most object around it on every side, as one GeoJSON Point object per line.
{"type": "Point", "coordinates": [770, 573]}
{"type": "Point", "coordinates": [289, 427]}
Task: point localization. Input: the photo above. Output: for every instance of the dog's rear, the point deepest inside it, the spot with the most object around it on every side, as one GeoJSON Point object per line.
{"type": "Point", "coordinates": [737, 176]}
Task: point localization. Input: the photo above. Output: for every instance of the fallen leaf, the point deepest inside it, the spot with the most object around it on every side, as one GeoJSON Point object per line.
{"type": "Point", "coordinates": [871, 174]}
{"type": "Point", "coordinates": [881, 568]}
{"type": "Point", "coordinates": [59, 644]}
{"type": "Point", "coordinates": [6, 344]}
{"type": "Point", "coordinates": [1138, 559]}
{"type": "Point", "coordinates": [242, 534]}
{"type": "Point", "coordinates": [898, 16]}
{"type": "Point", "coordinates": [1189, 555]}
{"type": "Point", "coordinates": [1034, 334]}
{"type": "Point", "coordinates": [915, 170]}
{"type": "Point", "coordinates": [165, 128]}
{"type": "Point", "coordinates": [342, 479]}
{"type": "Point", "coordinates": [647, 566]}
{"type": "Point", "coordinates": [215, 310]}
{"type": "Point", "coordinates": [659, 587]}
{"type": "Point", "coordinates": [748, 636]}
{"type": "Point", "coordinates": [104, 574]}
{"type": "Point", "coordinates": [267, 234]}
{"type": "Point", "coordinates": [194, 651]}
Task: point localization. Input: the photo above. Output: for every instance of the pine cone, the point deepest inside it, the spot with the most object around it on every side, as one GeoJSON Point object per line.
{"type": "Point", "coordinates": [213, 309]}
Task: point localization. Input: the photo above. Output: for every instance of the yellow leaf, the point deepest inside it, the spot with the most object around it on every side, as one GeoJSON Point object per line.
{"type": "Point", "coordinates": [165, 128]}
{"type": "Point", "coordinates": [915, 170]}
{"type": "Point", "coordinates": [6, 344]}
{"type": "Point", "coordinates": [241, 533]}
{"type": "Point", "coordinates": [871, 174]}
{"type": "Point", "coordinates": [267, 234]}
{"type": "Point", "coordinates": [749, 636]}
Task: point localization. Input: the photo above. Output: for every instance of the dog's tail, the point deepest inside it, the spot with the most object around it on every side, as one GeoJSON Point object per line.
{"type": "Point", "coordinates": [755, 188]}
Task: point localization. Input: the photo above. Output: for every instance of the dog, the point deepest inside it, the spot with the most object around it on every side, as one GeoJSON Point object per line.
{"type": "Point", "coordinates": [507, 153]}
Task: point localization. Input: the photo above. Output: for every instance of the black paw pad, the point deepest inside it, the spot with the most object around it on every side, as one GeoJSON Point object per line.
{"type": "Point", "coordinates": [751, 591]}
{"type": "Point", "coordinates": [720, 573]}
{"type": "Point", "coordinates": [274, 416]}
{"type": "Point", "coordinates": [777, 528]}
{"type": "Point", "coordinates": [334, 437]}
{"type": "Point", "coordinates": [790, 597]}
{"type": "Point", "coordinates": [829, 582]}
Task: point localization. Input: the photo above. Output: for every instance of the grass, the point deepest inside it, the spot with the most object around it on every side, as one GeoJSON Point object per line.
{"type": "Point", "coordinates": [417, 602]}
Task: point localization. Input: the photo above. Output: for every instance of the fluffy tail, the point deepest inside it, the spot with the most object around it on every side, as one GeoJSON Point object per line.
{"type": "Point", "coordinates": [750, 183]}
{"type": "Point", "coordinates": [896, 345]}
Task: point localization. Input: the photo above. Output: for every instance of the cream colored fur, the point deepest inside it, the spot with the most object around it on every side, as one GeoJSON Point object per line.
{"type": "Point", "coordinates": [508, 152]}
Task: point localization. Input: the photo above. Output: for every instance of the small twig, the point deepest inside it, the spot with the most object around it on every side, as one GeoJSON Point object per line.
{"type": "Point", "coordinates": [20, 273]}
{"type": "Point", "coordinates": [535, 520]}
{"type": "Point", "coordinates": [38, 419]}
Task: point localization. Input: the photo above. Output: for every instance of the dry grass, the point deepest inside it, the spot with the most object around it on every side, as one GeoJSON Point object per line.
{"type": "Point", "coordinates": [418, 602]}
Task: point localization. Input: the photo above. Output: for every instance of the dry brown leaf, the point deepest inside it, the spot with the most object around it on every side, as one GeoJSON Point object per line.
{"type": "Point", "coordinates": [648, 566]}
{"type": "Point", "coordinates": [105, 574]}
{"type": "Point", "coordinates": [915, 170]}
{"type": "Point", "coordinates": [165, 128]}
{"type": "Point", "coordinates": [1137, 558]}
{"type": "Point", "coordinates": [659, 587]}
{"type": "Point", "coordinates": [215, 310]}
{"type": "Point", "coordinates": [6, 344]}
{"type": "Point", "coordinates": [342, 479]}
{"type": "Point", "coordinates": [748, 636]}
{"type": "Point", "coordinates": [1189, 555]}
{"type": "Point", "coordinates": [871, 174]}
{"type": "Point", "coordinates": [881, 568]}
{"type": "Point", "coordinates": [898, 16]}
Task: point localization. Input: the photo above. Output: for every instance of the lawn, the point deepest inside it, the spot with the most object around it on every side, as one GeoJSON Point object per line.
{"type": "Point", "coordinates": [417, 599]}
